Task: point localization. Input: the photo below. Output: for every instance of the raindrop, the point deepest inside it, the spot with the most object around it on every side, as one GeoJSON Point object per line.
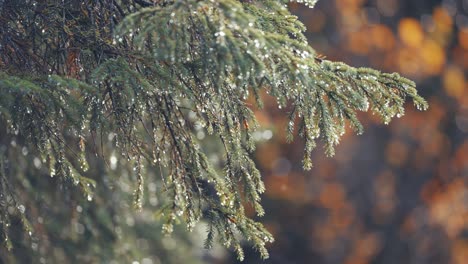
{"type": "Point", "coordinates": [24, 151]}
{"type": "Point", "coordinates": [21, 208]}
{"type": "Point", "coordinates": [267, 134]}
{"type": "Point", "coordinates": [113, 162]}
{"type": "Point", "coordinates": [37, 163]}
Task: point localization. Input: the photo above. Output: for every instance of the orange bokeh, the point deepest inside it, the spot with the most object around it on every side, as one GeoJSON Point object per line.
{"type": "Point", "coordinates": [410, 32]}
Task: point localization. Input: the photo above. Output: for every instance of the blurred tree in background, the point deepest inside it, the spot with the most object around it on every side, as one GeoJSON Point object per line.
{"type": "Point", "coordinates": [111, 106]}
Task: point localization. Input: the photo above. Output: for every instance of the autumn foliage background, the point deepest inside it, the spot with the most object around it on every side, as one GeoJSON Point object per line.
{"type": "Point", "coordinates": [398, 193]}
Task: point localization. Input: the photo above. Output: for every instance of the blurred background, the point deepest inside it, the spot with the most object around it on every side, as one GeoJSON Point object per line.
{"type": "Point", "coordinates": [398, 193]}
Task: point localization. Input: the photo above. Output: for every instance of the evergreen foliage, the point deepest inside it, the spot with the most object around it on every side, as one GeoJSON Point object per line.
{"type": "Point", "coordinates": [83, 80]}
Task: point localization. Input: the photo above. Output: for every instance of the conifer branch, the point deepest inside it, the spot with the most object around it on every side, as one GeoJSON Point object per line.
{"type": "Point", "coordinates": [166, 72]}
